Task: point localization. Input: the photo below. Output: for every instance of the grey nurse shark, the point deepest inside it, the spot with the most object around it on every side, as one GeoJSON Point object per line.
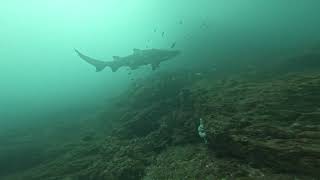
{"type": "Point", "coordinates": [138, 58]}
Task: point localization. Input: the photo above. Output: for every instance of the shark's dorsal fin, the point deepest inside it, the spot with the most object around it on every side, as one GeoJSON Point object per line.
{"type": "Point", "coordinates": [136, 50]}
{"type": "Point", "coordinates": [116, 58]}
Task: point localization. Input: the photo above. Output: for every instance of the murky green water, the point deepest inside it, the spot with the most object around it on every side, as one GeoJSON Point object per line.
{"type": "Point", "coordinates": [53, 105]}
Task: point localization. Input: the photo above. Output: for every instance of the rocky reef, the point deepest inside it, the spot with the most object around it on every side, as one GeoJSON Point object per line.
{"type": "Point", "coordinates": [257, 127]}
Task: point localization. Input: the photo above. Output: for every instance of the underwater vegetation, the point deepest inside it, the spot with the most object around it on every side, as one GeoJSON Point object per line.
{"type": "Point", "coordinates": [257, 124]}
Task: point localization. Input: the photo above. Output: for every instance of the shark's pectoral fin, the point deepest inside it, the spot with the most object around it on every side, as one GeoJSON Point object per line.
{"type": "Point", "coordinates": [155, 66]}
{"type": "Point", "coordinates": [114, 69]}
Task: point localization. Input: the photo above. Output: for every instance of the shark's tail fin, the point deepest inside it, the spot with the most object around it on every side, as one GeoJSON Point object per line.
{"type": "Point", "coordinates": [99, 65]}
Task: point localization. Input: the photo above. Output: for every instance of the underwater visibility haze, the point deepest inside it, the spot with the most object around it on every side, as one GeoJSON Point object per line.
{"type": "Point", "coordinates": [149, 89]}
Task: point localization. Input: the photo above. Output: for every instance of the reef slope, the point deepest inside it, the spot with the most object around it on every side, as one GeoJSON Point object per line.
{"type": "Point", "coordinates": [257, 126]}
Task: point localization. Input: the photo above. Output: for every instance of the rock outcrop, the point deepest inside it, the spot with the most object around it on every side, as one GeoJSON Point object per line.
{"type": "Point", "coordinates": [265, 128]}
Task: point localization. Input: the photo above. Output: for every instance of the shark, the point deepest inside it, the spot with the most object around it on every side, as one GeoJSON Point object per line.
{"type": "Point", "coordinates": [138, 58]}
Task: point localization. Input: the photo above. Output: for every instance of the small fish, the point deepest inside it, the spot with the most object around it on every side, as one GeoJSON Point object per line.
{"type": "Point", "coordinates": [162, 34]}
{"type": "Point", "coordinates": [173, 45]}
{"type": "Point", "coordinates": [180, 22]}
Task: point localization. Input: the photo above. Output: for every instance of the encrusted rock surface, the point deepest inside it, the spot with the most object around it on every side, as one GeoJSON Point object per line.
{"type": "Point", "coordinates": [257, 128]}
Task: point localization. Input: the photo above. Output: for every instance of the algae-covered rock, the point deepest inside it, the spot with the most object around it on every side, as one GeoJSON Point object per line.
{"type": "Point", "coordinates": [196, 162]}
{"type": "Point", "coordinates": [264, 128]}
{"type": "Point", "coordinates": [267, 137]}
